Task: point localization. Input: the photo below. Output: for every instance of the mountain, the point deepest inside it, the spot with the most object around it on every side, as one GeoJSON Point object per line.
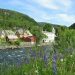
{"type": "Point", "coordinates": [45, 23]}
{"type": "Point", "coordinates": [10, 18]}
{"type": "Point", "coordinates": [72, 26]}
{"type": "Point", "coordinates": [48, 26]}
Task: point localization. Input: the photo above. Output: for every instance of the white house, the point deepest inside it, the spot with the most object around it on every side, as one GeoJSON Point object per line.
{"type": "Point", "coordinates": [11, 38]}
{"type": "Point", "coordinates": [50, 36]}
{"type": "Point", "coordinates": [10, 35]}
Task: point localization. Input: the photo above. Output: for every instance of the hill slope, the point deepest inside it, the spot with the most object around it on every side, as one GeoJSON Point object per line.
{"type": "Point", "coordinates": [9, 18]}
{"type": "Point", "coordinates": [72, 26]}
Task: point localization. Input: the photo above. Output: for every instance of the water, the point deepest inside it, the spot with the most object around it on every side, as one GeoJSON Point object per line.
{"type": "Point", "coordinates": [19, 56]}
{"type": "Point", "coordinates": [23, 55]}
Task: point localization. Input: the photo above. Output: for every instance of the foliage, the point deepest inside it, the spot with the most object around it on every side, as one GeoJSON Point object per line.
{"type": "Point", "coordinates": [36, 31]}
{"type": "Point", "coordinates": [17, 42]}
{"type": "Point", "coordinates": [39, 67]}
{"type": "Point", "coordinates": [47, 27]}
{"type": "Point", "coordinates": [67, 66]}
{"type": "Point", "coordinates": [12, 19]}
{"type": "Point", "coordinates": [2, 42]}
{"type": "Point", "coordinates": [65, 38]}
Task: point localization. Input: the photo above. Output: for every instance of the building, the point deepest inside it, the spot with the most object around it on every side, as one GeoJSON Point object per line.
{"type": "Point", "coordinates": [31, 39]}
{"type": "Point", "coordinates": [23, 33]}
{"type": "Point", "coordinates": [2, 34]}
{"type": "Point", "coordinates": [10, 36]}
{"type": "Point", "coordinates": [9, 32]}
{"type": "Point", "coordinates": [26, 36]}
{"type": "Point", "coordinates": [50, 36]}
{"type": "Point", "coordinates": [20, 33]}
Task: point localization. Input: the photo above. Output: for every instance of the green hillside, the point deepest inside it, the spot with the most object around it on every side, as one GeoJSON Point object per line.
{"type": "Point", "coordinates": [48, 26]}
{"type": "Point", "coordinates": [11, 19]}
{"type": "Point", "coordinates": [72, 26]}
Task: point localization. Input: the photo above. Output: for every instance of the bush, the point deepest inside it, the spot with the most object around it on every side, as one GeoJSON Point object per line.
{"type": "Point", "coordinates": [17, 42]}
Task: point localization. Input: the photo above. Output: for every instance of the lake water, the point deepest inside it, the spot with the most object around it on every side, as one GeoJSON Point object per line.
{"type": "Point", "coordinates": [23, 55]}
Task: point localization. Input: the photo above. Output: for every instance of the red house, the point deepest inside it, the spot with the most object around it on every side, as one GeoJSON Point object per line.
{"type": "Point", "coordinates": [31, 39]}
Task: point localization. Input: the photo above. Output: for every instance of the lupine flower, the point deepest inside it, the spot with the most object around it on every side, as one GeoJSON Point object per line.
{"type": "Point", "coordinates": [54, 63]}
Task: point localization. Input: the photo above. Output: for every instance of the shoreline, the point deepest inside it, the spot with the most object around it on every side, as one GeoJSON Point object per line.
{"type": "Point", "coordinates": [16, 47]}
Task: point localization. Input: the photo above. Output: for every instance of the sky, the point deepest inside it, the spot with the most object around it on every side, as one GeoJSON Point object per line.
{"type": "Point", "coordinates": [60, 12]}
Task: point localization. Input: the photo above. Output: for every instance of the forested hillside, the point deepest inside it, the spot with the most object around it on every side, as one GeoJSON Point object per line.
{"type": "Point", "coordinates": [11, 19]}
{"type": "Point", "coordinates": [72, 26]}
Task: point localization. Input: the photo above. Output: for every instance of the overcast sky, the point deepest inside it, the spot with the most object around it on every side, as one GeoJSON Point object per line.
{"type": "Point", "coordinates": [52, 11]}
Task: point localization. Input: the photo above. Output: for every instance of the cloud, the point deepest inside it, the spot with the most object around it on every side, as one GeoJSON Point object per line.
{"type": "Point", "coordinates": [67, 17]}
{"type": "Point", "coordinates": [63, 5]}
{"type": "Point", "coordinates": [47, 4]}
{"type": "Point", "coordinates": [66, 3]}
{"type": "Point", "coordinates": [56, 11]}
{"type": "Point", "coordinates": [63, 19]}
{"type": "Point", "coordinates": [60, 5]}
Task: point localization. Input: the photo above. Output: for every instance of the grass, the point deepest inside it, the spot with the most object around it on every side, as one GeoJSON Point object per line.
{"type": "Point", "coordinates": [34, 68]}
{"type": "Point", "coordinates": [56, 64]}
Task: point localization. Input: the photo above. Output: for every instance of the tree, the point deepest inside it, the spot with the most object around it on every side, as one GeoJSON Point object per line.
{"type": "Point", "coordinates": [47, 27]}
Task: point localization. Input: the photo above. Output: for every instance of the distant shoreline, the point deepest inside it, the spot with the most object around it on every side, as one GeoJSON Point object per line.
{"type": "Point", "coordinates": [12, 47]}
{"type": "Point", "coordinates": [16, 47]}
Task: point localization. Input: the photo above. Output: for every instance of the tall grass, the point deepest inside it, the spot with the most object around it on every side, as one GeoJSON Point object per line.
{"type": "Point", "coordinates": [43, 62]}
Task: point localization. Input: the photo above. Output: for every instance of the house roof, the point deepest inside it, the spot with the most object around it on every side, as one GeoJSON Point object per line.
{"type": "Point", "coordinates": [25, 32]}
{"type": "Point", "coordinates": [9, 32]}
{"type": "Point", "coordinates": [28, 32]}
{"type": "Point", "coordinates": [20, 31]}
{"type": "Point", "coordinates": [12, 37]}
{"type": "Point", "coordinates": [49, 33]}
